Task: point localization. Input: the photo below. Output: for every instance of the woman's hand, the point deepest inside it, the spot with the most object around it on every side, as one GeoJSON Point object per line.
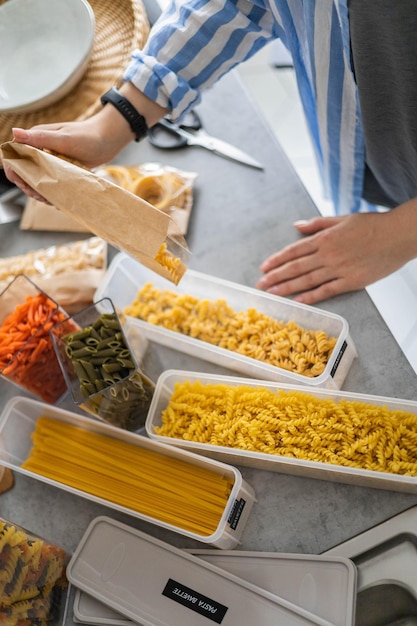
{"type": "Point", "coordinates": [78, 141]}
{"type": "Point", "coordinates": [342, 254]}
{"type": "Point", "coordinates": [91, 142]}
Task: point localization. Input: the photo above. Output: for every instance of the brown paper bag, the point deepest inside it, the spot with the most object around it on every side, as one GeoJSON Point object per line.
{"type": "Point", "coordinates": [40, 216]}
{"type": "Point", "coordinates": [119, 217]}
{"type": "Point", "coordinates": [170, 191]}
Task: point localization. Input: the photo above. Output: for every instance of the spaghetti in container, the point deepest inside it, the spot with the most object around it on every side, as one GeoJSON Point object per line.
{"type": "Point", "coordinates": [33, 578]}
{"type": "Point", "coordinates": [27, 356]}
{"type": "Point", "coordinates": [99, 367]}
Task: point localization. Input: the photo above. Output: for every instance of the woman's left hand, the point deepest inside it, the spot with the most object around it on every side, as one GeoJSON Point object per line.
{"type": "Point", "coordinates": [342, 254]}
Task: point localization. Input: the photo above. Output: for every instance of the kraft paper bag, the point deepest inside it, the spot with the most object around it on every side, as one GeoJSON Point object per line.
{"type": "Point", "coordinates": [40, 216]}
{"type": "Point", "coordinates": [167, 188]}
{"type": "Point", "coordinates": [119, 217]}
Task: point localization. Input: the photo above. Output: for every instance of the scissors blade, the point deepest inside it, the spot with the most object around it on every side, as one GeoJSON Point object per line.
{"type": "Point", "coordinates": [224, 149]}
{"type": "Point", "coordinates": [218, 146]}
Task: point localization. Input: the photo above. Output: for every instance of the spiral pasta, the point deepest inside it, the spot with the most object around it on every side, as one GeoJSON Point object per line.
{"type": "Point", "coordinates": [173, 264]}
{"type": "Point", "coordinates": [293, 424]}
{"type": "Point", "coordinates": [250, 333]}
{"type": "Point", "coordinates": [31, 573]}
{"type": "Point", "coordinates": [165, 188]}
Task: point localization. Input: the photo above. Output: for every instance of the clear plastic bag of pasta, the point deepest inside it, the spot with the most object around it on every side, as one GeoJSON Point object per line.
{"type": "Point", "coordinates": [70, 273]}
{"type": "Point", "coordinates": [100, 368]}
{"type": "Point", "coordinates": [167, 188]}
{"type": "Point", "coordinates": [32, 577]}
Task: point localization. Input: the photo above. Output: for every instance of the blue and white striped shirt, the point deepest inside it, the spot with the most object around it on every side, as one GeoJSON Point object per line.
{"type": "Point", "coordinates": [195, 42]}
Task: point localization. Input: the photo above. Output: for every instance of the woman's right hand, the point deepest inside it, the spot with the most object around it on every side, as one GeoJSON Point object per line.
{"type": "Point", "coordinates": [91, 142]}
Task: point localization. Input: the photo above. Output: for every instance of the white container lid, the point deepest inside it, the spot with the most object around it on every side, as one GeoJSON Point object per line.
{"type": "Point", "coordinates": [156, 584]}
{"type": "Point", "coordinates": [325, 586]}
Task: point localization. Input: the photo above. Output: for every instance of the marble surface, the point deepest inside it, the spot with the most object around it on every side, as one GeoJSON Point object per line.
{"type": "Point", "coordinates": [240, 215]}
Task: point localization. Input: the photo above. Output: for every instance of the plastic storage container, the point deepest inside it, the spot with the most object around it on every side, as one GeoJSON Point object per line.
{"type": "Point", "coordinates": [125, 277]}
{"type": "Point", "coordinates": [26, 316]}
{"type": "Point", "coordinates": [17, 424]}
{"type": "Point", "coordinates": [311, 469]}
{"type": "Point", "coordinates": [155, 584]}
{"type": "Point", "coordinates": [324, 586]}
{"type": "Point", "coordinates": [385, 556]}
{"type": "Point", "coordinates": [99, 366]}
{"type": "Point", "coordinates": [33, 580]}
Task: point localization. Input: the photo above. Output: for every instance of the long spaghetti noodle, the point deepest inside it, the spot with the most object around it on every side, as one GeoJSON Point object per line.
{"type": "Point", "coordinates": [165, 488]}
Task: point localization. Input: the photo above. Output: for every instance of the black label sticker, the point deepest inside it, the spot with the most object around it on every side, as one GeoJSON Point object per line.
{"type": "Point", "coordinates": [236, 512]}
{"type": "Point", "coordinates": [195, 601]}
{"type": "Point", "coordinates": [338, 359]}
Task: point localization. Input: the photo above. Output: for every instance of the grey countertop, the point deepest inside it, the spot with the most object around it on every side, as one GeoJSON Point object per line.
{"type": "Point", "coordinates": [240, 216]}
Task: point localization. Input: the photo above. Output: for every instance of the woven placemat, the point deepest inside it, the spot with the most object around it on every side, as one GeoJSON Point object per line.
{"type": "Point", "coordinates": [121, 26]}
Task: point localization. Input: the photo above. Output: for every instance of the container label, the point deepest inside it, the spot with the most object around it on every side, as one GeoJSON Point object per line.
{"type": "Point", "coordinates": [338, 359]}
{"type": "Point", "coordinates": [195, 601]}
{"type": "Point", "coordinates": [236, 512]}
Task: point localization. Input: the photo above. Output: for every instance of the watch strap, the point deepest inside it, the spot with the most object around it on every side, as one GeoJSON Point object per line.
{"type": "Point", "coordinates": [136, 121]}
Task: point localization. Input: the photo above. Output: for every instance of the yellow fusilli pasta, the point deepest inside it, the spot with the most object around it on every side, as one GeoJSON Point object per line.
{"type": "Point", "coordinates": [250, 333]}
{"type": "Point", "coordinates": [173, 264]}
{"type": "Point", "coordinates": [293, 424]}
{"type": "Point", "coordinates": [32, 572]}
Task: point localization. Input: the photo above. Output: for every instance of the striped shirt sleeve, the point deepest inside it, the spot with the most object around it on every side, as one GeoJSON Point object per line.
{"type": "Point", "coordinates": [193, 44]}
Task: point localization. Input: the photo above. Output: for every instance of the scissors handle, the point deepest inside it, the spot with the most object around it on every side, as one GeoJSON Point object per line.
{"type": "Point", "coordinates": [191, 121]}
{"type": "Point", "coordinates": [167, 135]}
{"type": "Point", "coordinates": [164, 135]}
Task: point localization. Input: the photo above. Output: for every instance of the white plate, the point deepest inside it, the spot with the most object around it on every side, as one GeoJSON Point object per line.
{"type": "Point", "coordinates": [45, 47]}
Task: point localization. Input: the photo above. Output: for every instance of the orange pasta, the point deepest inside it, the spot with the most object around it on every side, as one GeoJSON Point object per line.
{"type": "Point", "coordinates": [27, 356]}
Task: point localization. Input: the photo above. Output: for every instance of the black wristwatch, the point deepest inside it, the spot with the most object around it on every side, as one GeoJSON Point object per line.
{"type": "Point", "coordinates": [136, 121]}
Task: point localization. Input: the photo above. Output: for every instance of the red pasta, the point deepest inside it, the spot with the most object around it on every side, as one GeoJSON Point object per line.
{"type": "Point", "coordinates": [27, 356]}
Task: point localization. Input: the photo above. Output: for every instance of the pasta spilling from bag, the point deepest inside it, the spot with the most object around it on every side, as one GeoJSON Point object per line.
{"type": "Point", "coordinates": [293, 424]}
{"type": "Point", "coordinates": [172, 263]}
{"type": "Point", "coordinates": [250, 332]}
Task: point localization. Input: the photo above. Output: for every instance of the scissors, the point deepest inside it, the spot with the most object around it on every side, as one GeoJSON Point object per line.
{"type": "Point", "coordinates": [168, 136]}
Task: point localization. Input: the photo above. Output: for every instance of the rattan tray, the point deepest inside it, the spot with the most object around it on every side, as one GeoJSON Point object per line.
{"type": "Point", "coordinates": [120, 27]}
